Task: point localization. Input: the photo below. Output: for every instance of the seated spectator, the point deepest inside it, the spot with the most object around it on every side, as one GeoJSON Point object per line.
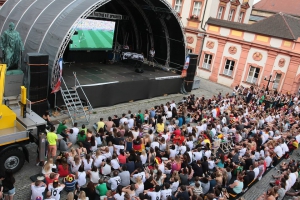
{"type": "Point", "coordinates": [63, 168]}
{"type": "Point", "coordinates": [55, 188]}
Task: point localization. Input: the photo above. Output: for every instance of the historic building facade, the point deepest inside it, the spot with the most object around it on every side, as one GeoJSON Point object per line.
{"type": "Point", "coordinates": [242, 54]}
{"type": "Point", "coordinates": [195, 13]}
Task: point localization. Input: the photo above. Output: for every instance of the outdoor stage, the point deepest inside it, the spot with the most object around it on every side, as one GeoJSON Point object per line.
{"type": "Point", "coordinates": [110, 84]}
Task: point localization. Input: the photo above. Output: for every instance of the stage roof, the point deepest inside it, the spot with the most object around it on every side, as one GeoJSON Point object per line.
{"type": "Point", "coordinates": [46, 26]}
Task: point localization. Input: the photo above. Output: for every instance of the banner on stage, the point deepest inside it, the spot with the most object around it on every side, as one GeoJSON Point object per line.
{"type": "Point", "coordinates": [185, 67]}
{"type": "Point", "coordinates": [58, 83]}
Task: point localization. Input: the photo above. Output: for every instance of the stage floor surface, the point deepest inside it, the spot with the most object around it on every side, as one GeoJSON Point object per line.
{"type": "Point", "coordinates": [95, 73]}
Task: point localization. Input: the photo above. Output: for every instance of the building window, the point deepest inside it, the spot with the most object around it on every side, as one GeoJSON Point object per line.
{"type": "Point", "coordinates": [178, 5]}
{"type": "Point", "coordinates": [197, 8]}
{"type": "Point", "coordinates": [190, 50]}
{"type": "Point", "coordinates": [220, 12]}
{"type": "Point", "coordinates": [207, 61]}
{"type": "Point", "coordinates": [229, 67]}
{"type": "Point", "coordinates": [231, 15]}
{"type": "Point", "coordinates": [253, 75]}
{"type": "Point", "coordinates": [241, 16]}
{"type": "Point", "coordinates": [276, 81]}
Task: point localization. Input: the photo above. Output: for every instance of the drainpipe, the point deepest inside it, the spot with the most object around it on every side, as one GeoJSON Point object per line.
{"type": "Point", "coordinates": [203, 15]}
{"type": "Point", "coordinates": [204, 35]}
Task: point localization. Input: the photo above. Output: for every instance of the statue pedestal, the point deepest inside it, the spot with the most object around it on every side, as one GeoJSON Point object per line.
{"type": "Point", "coordinates": [13, 82]}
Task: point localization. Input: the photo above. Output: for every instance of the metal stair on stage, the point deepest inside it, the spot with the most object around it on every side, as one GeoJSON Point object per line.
{"type": "Point", "coordinates": [77, 111]}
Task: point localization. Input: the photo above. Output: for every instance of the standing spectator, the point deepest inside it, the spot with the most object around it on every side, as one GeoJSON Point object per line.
{"type": "Point", "coordinates": [8, 185]}
{"type": "Point", "coordinates": [37, 189]}
{"type": "Point", "coordinates": [151, 56]}
{"type": "Point", "coordinates": [52, 139]}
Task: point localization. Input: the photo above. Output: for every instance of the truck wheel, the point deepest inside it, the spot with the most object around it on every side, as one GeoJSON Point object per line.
{"type": "Point", "coordinates": [13, 159]}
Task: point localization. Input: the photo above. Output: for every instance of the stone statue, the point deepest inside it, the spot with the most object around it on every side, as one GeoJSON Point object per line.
{"type": "Point", "coordinates": [12, 47]}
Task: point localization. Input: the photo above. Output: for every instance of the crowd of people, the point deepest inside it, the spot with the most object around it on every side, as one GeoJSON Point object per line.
{"type": "Point", "coordinates": [171, 151]}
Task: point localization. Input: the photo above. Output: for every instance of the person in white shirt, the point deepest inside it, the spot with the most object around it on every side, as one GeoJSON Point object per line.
{"type": "Point", "coordinates": [37, 189]}
{"type": "Point", "coordinates": [197, 154]}
{"type": "Point", "coordinates": [243, 150]}
{"type": "Point", "coordinates": [278, 150]}
{"type": "Point", "coordinates": [140, 173]}
{"type": "Point", "coordinates": [173, 105]}
{"type": "Point", "coordinates": [214, 112]}
{"type": "Point", "coordinates": [155, 143]}
{"type": "Point", "coordinates": [131, 122]}
{"type": "Point", "coordinates": [123, 120]}
{"type": "Point", "coordinates": [115, 162]}
{"type": "Point", "coordinates": [55, 188]}
{"type": "Point", "coordinates": [268, 160]}
{"type": "Point", "coordinates": [114, 181]}
{"type": "Point", "coordinates": [284, 147]}
{"type": "Point", "coordinates": [256, 170]}
{"type": "Point", "coordinates": [167, 192]}
{"type": "Point", "coordinates": [211, 164]}
{"type": "Point", "coordinates": [182, 149]}
{"type": "Point", "coordinates": [174, 185]}
{"type": "Point", "coordinates": [119, 195]}
{"type": "Point", "coordinates": [155, 195]}
{"type": "Point", "coordinates": [207, 153]}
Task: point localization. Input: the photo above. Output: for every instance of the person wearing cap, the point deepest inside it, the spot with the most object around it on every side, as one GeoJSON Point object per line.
{"type": "Point", "coordinates": [37, 189]}
{"type": "Point", "coordinates": [70, 183]}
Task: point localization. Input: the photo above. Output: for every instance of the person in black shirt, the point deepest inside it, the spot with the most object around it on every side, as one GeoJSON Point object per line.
{"type": "Point", "coordinates": [198, 170]}
{"type": "Point", "coordinates": [149, 183]}
{"type": "Point", "coordinates": [116, 120]}
{"type": "Point", "coordinates": [138, 162]}
{"type": "Point", "coordinates": [248, 177]}
{"type": "Point", "coordinates": [182, 193]}
{"type": "Point", "coordinates": [248, 161]}
{"type": "Point", "coordinates": [205, 165]}
{"type": "Point", "coordinates": [109, 138]}
{"type": "Point", "coordinates": [118, 139]}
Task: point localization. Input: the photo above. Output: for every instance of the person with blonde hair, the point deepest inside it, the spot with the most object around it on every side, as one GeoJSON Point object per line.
{"type": "Point", "coordinates": [47, 168]}
{"type": "Point", "coordinates": [70, 196]}
{"type": "Point", "coordinates": [98, 158]}
{"type": "Point", "coordinates": [75, 164]}
{"type": "Point", "coordinates": [139, 186]}
{"type": "Point", "coordinates": [82, 196]}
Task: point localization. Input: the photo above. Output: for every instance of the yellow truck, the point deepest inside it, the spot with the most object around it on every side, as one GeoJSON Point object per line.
{"type": "Point", "coordinates": [18, 127]}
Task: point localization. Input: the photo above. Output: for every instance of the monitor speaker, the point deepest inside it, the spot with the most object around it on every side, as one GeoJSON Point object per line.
{"type": "Point", "coordinates": [191, 71]}
{"type": "Point", "coordinates": [39, 107]}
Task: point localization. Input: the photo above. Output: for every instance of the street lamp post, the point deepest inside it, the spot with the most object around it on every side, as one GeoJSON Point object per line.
{"type": "Point", "coordinates": [269, 81]}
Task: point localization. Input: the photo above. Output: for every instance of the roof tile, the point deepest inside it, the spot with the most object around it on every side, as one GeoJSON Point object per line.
{"type": "Point", "coordinates": [286, 6]}
{"type": "Point", "coordinates": [280, 25]}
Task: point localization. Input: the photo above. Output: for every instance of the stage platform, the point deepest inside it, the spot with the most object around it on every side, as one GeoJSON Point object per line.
{"type": "Point", "coordinates": [110, 84]}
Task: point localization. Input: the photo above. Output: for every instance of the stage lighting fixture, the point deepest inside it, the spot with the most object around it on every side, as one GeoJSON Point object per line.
{"type": "Point", "coordinates": [71, 42]}
{"type": "Point", "coordinates": [75, 33]}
